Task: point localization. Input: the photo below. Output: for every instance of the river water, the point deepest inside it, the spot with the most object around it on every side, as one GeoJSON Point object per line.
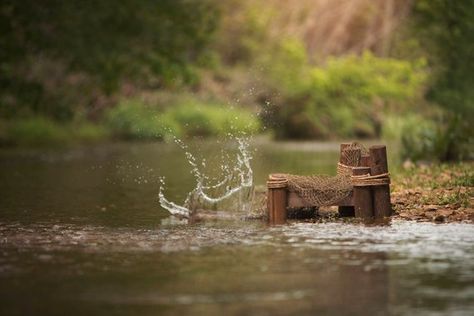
{"type": "Point", "coordinates": [82, 232]}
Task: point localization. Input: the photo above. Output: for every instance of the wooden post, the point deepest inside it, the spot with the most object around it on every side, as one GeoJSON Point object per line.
{"type": "Point", "coordinates": [365, 160]}
{"type": "Point", "coordinates": [363, 204]}
{"type": "Point", "coordinates": [346, 211]}
{"type": "Point", "coordinates": [277, 200]}
{"type": "Point", "coordinates": [379, 165]}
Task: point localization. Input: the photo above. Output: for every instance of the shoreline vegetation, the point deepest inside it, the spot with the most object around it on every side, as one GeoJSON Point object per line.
{"type": "Point", "coordinates": [390, 70]}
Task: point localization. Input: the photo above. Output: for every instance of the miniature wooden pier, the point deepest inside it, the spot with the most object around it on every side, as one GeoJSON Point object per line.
{"type": "Point", "coordinates": [367, 177]}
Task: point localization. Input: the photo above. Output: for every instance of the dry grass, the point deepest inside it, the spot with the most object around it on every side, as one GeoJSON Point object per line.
{"type": "Point", "coordinates": [327, 27]}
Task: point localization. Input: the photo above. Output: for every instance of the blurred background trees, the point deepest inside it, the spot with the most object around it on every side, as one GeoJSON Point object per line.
{"type": "Point", "coordinates": [60, 55]}
{"type": "Point", "coordinates": [312, 69]}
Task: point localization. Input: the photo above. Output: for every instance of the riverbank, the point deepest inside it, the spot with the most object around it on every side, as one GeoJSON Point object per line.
{"type": "Point", "coordinates": [133, 120]}
{"type": "Point", "coordinates": [440, 193]}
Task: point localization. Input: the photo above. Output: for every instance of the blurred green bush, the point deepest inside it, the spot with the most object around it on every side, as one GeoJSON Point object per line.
{"type": "Point", "coordinates": [36, 131]}
{"type": "Point", "coordinates": [184, 117]}
{"type": "Point", "coordinates": [203, 119]}
{"type": "Point", "coordinates": [346, 97]}
{"type": "Point", "coordinates": [131, 119]}
{"type": "Point", "coordinates": [445, 30]}
{"type": "Point", "coordinates": [443, 138]}
{"type": "Point", "coordinates": [41, 131]}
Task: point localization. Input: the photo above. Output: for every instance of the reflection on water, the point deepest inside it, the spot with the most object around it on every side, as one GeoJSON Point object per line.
{"type": "Point", "coordinates": [81, 233]}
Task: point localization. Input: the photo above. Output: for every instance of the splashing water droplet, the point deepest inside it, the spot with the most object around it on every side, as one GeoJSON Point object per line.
{"type": "Point", "coordinates": [235, 186]}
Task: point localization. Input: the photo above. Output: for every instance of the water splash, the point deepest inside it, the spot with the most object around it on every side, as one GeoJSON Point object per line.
{"type": "Point", "coordinates": [232, 192]}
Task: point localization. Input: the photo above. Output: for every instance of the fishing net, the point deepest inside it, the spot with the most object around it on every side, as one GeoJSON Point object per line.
{"type": "Point", "coordinates": [322, 190]}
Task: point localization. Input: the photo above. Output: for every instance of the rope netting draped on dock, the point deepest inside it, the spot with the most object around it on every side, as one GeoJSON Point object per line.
{"type": "Point", "coordinates": [321, 190]}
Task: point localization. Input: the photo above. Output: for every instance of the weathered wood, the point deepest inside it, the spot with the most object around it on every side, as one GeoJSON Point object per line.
{"type": "Point", "coordinates": [381, 193]}
{"type": "Point", "coordinates": [365, 160]}
{"type": "Point", "coordinates": [277, 200]}
{"type": "Point", "coordinates": [363, 201]}
{"type": "Point", "coordinates": [344, 210]}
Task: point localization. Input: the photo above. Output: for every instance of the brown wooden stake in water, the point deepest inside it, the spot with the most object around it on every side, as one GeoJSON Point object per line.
{"type": "Point", "coordinates": [346, 211]}
{"type": "Point", "coordinates": [277, 200]}
{"type": "Point", "coordinates": [379, 165]}
{"type": "Point", "coordinates": [277, 206]}
{"type": "Point", "coordinates": [363, 204]}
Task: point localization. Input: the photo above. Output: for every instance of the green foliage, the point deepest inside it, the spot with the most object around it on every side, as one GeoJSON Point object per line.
{"type": "Point", "coordinates": [36, 131]}
{"type": "Point", "coordinates": [361, 79]}
{"type": "Point", "coordinates": [41, 131]}
{"type": "Point", "coordinates": [446, 30]}
{"type": "Point", "coordinates": [85, 132]}
{"type": "Point", "coordinates": [201, 119]}
{"type": "Point", "coordinates": [347, 96]}
{"type": "Point", "coordinates": [410, 134]}
{"type": "Point", "coordinates": [443, 139]}
{"type": "Point", "coordinates": [99, 44]}
{"type": "Point", "coordinates": [186, 117]}
{"type": "Point", "coordinates": [131, 119]}
{"type": "Point", "coordinates": [243, 34]}
{"type": "Point", "coordinates": [68, 63]}
{"type": "Point", "coordinates": [287, 67]}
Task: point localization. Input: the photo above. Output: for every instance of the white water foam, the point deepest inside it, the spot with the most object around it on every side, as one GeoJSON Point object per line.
{"type": "Point", "coordinates": [235, 185]}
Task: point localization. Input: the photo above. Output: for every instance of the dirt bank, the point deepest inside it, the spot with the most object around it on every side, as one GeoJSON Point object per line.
{"type": "Point", "coordinates": [440, 193]}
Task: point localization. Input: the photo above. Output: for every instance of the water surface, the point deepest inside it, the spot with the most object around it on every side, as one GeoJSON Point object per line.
{"type": "Point", "coordinates": [81, 232]}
